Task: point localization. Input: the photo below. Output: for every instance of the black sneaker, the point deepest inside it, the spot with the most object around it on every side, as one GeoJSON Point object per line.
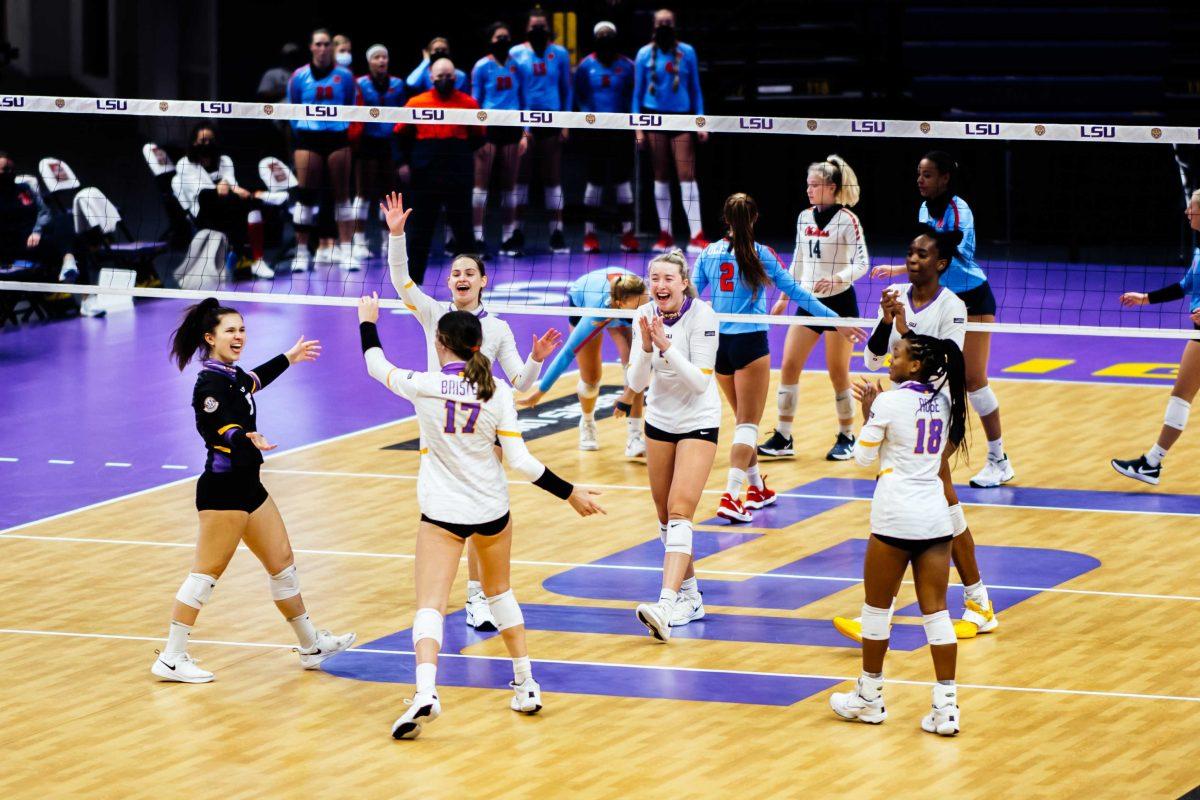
{"type": "Point", "coordinates": [481, 249]}
{"type": "Point", "coordinates": [778, 446]}
{"type": "Point", "coordinates": [1138, 469]}
{"type": "Point", "coordinates": [842, 450]}
{"type": "Point", "coordinates": [514, 245]}
{"type": "Point", "coordinates": [558, 242]}
{"type": "Point", "coordinates": [450, 248]}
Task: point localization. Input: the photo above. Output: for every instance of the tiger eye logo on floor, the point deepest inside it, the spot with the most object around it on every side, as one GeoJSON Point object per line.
{"type": "Point", "coordinates": [547, 418]}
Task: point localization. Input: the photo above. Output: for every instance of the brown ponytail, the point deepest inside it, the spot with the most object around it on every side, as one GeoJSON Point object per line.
{"type": "Point", "coordinates": [740, 214]}
{"type": "Point", "coordinates": [187, 340]}
{"type": "Point", "coordinates": [461, 334]}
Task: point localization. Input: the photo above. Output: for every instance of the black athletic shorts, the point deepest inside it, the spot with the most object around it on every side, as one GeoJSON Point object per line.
{"type": "Point", "coordinates": [230, 491]}
{"type": "Point", "coordinates": [844, 304]}
{"type": "Point", "coordinates": [464, 531]}
{"type": "Point", "coordinates": [320, 142]}
{"type": "Point", "coordinates": [541, 134]}
{"type": "Point", "coordinates": [979, 301]}
{"type": "Point", "coordinates": [659, 435]}
{"type": "Point", "coordinates": [736, 350]}
{"type": "Point", "coordinates": [504, 134]}
{"type": "Point", "coordinates": [914, 547]}
{"type": "Point", "coordinates": [376, 148]}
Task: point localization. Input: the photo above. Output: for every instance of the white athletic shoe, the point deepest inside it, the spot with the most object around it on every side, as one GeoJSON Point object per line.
{"type": "Point", "coordinates": [852, 705]}
{"type": "Point", "coordinates": [180, 667]}
{"type": "Point", "coordinates": [657, 619]}
{"type": "Point", "coordinates": [687, 609]}
{"type": "Point", "coordinates": [326, 255]}
{"type": "Point", "coordinates": [635, 446]}
{"type": "Point", "coordinates": [359, 247]}
{"type": "Point", "coordinates": [993, 474]}
{"type": "Point", "coordinates": [383, 246]}
{"type": "Point", "coordinates": [527, 696]}
{"type": "Point", "coordinates": [942, 719]}
{"type": "Point", "coordinates": [302, 261]}
{"type": "Point", "coordinates": [479, 613]}
{"type": "Point", "coordinates": [423, 708]}
{"type": "Point", "coordinates": [90, 307]}
{"type": "Point", "coordinates": [346, 259]}
{"type": "Point", "coordinates": [260, 269]}
{"type": "Point", "coordinates": [327, 645]}
{"type": "Point", "coordinates": [587, 434]}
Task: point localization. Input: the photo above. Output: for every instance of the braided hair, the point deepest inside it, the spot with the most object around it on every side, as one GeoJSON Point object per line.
{"type": "Point", "coordinates": [943, 368]}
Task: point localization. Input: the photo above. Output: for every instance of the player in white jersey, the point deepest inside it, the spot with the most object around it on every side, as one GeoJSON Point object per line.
{"type": "Point", "coordinates": [674, 351]}
{"type": "Point", "coordinates": [924, 307]}
{"type": "Point", "coordinates": [910, 429]}
{"type": "Point", "coordinates": [463, 494]}
{"type": "Point", "coordinates": [467, 280]}
{"type": "Point", "coordinates": [830, 255]}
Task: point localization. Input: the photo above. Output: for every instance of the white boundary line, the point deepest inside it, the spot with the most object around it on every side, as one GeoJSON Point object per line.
{"type": "Point", "coordinates": [655, 667]}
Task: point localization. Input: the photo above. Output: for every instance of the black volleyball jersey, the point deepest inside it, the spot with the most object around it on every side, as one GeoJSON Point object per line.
{"type": "Point", "coordinates": [224, 404]}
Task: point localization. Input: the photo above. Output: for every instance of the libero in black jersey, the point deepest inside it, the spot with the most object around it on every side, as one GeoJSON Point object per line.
{"type": "Point", "coordinates": [232, 503]}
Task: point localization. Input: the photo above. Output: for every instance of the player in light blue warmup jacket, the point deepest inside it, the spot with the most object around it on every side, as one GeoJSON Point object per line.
{"type": "Point", "coordinates": [496, 83]}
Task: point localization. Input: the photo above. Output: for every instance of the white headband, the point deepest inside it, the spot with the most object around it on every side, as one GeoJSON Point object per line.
{"type": "Point", "coordinates": [604, 26]}
{"type": "Point", "coordinates": [376, 48]}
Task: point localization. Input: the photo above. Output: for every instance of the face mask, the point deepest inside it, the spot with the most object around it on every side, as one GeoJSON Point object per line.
{"type": "Point", "coordinates": [444, 86]}
{"type": "Point", "coordinates": [7, 178]}
{"type": "Point", "coordinates": [664, 36]}
{"type": "Point", "coordinates": [204, 151]}
{"type": "Point", "coordinates": [606, 46]}
{"type": "Point", "coordinates": [501, 46]}
{"type": "Point", "coordinates": [343, 59]}
{"type": "Point", "coordinates": [538, 37]}
{"type": "Point", "coordinates": [436, 54]}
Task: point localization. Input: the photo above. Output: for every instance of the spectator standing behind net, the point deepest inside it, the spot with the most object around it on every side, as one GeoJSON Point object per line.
{"type": "Point", "coordinates": [375, 167]}
{"type": "Point", "coordinates": [323, 151]}
{"type": "Point", "coordinates": [421, 78]}
{"type": "Point", "coordinates": [207, 188]}
{"type": "Point", "coordinates": [545, 70]}
{"type": "Point", "coordinates": [604, 84]}
{"type": "Point", "coordinates": [667, 81]}
{"type": "Point", "coordinates": [272, 86]}
{"type": "Point", "coordinates": [442, 161]}
{"type": "Point", "coordinates": [496, 83]}
{"type": "Point", "coordinates": [343, 51]}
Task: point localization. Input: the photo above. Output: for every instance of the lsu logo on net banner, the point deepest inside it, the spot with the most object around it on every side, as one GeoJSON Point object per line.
{"type": "Point", "coordinates": [646, 120]}
{"type": "Point", "coordinates": [12, 101]}
{"type": "Point", "coordinates": [208, 107]}
{"type": "Point", "coordinates": [756, 123]}
{"type": "Point", "coordinates": [537, 117]}
{"type": "Point", "coordinates": [868, 126]}
{"type": "Point", "coordinates": [320, 111]}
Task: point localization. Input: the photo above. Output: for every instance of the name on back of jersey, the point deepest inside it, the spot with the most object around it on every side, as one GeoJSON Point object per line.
{"type": "Point", "coordinates": [929, 405]}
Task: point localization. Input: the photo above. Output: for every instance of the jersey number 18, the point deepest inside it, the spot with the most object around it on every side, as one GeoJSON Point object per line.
{"type": "Point", "coordinates": [452, 416]}
{"type": "Point", "coordinates": [932, 442]}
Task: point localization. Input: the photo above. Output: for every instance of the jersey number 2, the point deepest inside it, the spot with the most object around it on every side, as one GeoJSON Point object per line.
{"type": "Point", "coordinates": [452, 416]}
{"type": "Point", "coordinates": [726, 276]}
{"type": "Point", "coordinates": [932, 442]}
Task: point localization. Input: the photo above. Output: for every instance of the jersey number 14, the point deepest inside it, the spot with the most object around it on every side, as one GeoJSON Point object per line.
{"type": "Point", "coordinates": [814, 248]}
{"type": "Point", "coordinates": [452, 407]}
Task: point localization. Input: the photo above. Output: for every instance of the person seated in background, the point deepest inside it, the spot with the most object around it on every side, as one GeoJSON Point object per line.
{"type": "Point", "coordinates": [23, 216]}
{"type": "Point", "coordinates": [207, 188]}
{"type": "Point", "coordinates": [421, 78]}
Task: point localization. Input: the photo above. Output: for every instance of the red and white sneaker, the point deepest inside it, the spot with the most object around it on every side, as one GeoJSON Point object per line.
{"type": "Point", "coordinates": [731, 508]}
{"type": "Point", "coordinates": [759, 498]}
{"type": "Point", "coordinates": [591, 243]}
{"type": "Point", "coordinates": [697, 243]}
{"type": "Point", "coordinates": [664, 244]}
{"type": "Point", "coordinates": [629, 243]}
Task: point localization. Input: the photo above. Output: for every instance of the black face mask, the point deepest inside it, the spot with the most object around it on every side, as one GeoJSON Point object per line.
{"type": "Point", "coordinates": [436, 54]}
{"type": "Point", "coordinates": [444, 86]}
{"type": "Point", "coordinates": [539, 37]}
{"type": "Point", "coordinates": [500, 47]}
{"type": "Point", "coordinates": [606, 47]}
{"type": "Point", "coordinates": [202, 152]}
{"type": "Point", "coordinates": [664, 37]}
{"type": "Point", "coordinates": [7, 179]}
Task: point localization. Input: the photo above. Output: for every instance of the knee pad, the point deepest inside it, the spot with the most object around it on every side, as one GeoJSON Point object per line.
{"type": "Point", "coordinates": [344, 211]}
{"type": "Point", "coordinates": [587, 391]}
{"type": "Point", "coordinates": [522, 193]}
{"type": "Point", "coordinates": [303, 215]}
{"type": "Point", "coordinates": [554, 198]}
{"type": "Point", "coordinates": [286, 584]}
{"type": "Point", "coordinates": [512, 198]}
{"type": "Point", "coordinates": [746, 434]}
{"type": "Point", "coordinates": [679, 537]}
{"type": "Point", "coordinates": [938, 628]}
{"type": "Point", "coordinates": [479, 197]}
{"type": "Point", "coordinates": [876, 623]}
{"type": "Point", "coordinates": [359, 205]}
{"type": "Point", "coordinates": [427, 624]}
{"type": "Point", "coordinates": [983, 401]}
{"type": "Point", "coordinates": [592, 194]}
{"type": "Point", "coordinates": [624, 193]}
{"type": "Point", "coordinates": [787, 396]}
{"type": "Point", "coordinates": [844, 402]}
{"type": "Point", "coordinates": [254, 217]}
{"type": "Point", "coordinates": [1177, 413]}
{"type": "Point", "coordinates": [196, 590]}
{"type": "Point", "coordinates": [506, 611]}
{"type": "Point", "coordinates": [958, 519]}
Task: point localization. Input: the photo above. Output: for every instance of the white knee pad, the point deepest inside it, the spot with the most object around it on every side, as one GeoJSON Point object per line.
{"type": "Point", "coordinates": [554, 198]}
{"type": "Point", "coordinates": [303, 215]}
{"type": "Point", "coordinates": [344, 211]}
{"type": "Point", "coordinates": [1177, 413]}
{"type": "Point", "coordinates": [506, 611]}
{"type": "Point", "coordinates": [522, 193]}
{"type": "Point", "coordinates": [983, 401]}
{"type": "Point", "coordinates": [844, 402]}
{"type": "Point", "coordinates": [254, 217]}
{"type": "Point", "coordinates": [360, 209]}
{"type": "Point", "coordinates": [196, 590]}
{"type": "Point", "coordinates": [938, 628]}
{"type": "Point", "coordinates": [787, 396]}
{"type": "Point", "coordinates": [587, 391]}
{"type": "Point", "coordinates": [427, 624]}
{"type": "Point", "coordinates": [679, 537]}
{"type": "Point", "coordinates": [624, 193]}
{"type": "Point", "coordinates": [512, 199]}
{"type": "Point", "coordinates": [876, 623]}
{"type": "Point", "coordinates": [958, 519]}
{"type": "Point", "coordinates": [746, 434]}
{"type": "Point", "coordinates": [479, 197]}
{"type": "Point", "coordinates": [593, 194]}
{"type": "Point", "coordinates": [286, 584]}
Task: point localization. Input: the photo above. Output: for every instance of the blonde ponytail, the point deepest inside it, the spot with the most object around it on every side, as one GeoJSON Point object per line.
{"type": "Point", "coordinates": [835, 170]}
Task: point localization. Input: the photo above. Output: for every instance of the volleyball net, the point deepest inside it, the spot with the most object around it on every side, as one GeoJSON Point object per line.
{"type": "Point", "coordinates": [1068, 217]}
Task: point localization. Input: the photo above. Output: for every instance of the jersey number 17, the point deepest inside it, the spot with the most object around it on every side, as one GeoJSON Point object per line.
{"type": "Point", "coordinates": [452, 416]}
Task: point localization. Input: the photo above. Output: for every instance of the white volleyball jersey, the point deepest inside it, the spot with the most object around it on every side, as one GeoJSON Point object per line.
{"type": "Point", "coordinates": [682, 395]}
{"type": "Point", "coordinates": [460, 480]}
{"type": "Point", "coordinates": [837, 251]}
{"type": "Point", "coordinates": [943, 317]}
{"type": "Point", "coordinates": [907, 430]}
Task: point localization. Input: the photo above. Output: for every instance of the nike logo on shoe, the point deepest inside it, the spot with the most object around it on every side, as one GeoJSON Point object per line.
{"type": "Point", "coordinates": [165, 664]}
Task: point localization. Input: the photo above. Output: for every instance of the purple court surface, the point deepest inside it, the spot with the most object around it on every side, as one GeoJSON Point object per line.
{"type": "Point", "coordinates": [93, 410]}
